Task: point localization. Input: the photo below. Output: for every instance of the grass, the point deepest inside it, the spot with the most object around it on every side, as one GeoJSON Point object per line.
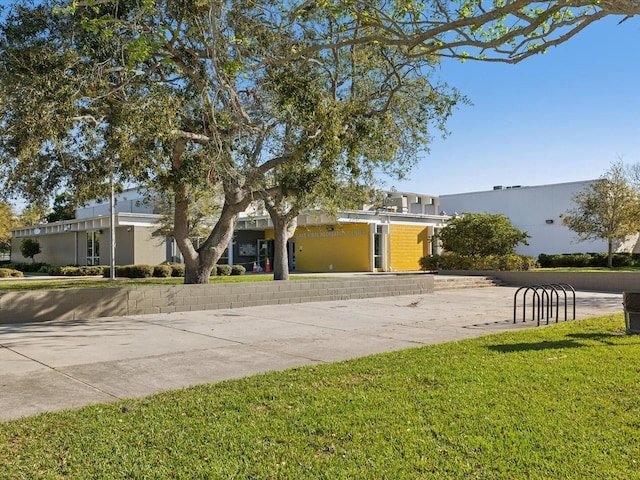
{"type": "Point", "coordinates": [96, 282]}
{"type": "Point", "coordinates": [554, 402]}
{"type": "Point", "coordinates": [588, 269]}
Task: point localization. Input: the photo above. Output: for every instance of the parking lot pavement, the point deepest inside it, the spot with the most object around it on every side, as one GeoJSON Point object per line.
{"type": "Point", "coordinates": [57, 365]}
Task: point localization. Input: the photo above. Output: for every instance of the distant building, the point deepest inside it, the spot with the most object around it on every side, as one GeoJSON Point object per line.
{"type": "Point", "coordinates": [537, 210]}
{"type": "Point", "coordinates": [85, 239]}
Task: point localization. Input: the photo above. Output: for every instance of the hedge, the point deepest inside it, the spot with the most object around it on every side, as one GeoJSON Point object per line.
{"type": "Point", "coordinates": [577, 260]}
{"type": "Point", "coordinates": [70, 271]}
{"type": "Point", "coordinates": [10, 272]}
{"type": "Point", "coordinates": [454, 261]}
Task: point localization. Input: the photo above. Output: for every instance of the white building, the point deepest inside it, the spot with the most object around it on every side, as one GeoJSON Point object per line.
{"type": "Point", "coordinates": [537, 210]}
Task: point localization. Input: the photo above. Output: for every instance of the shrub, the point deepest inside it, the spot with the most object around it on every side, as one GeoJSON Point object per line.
{"type": "Point", "coordinates": [10, 272]}
{"type": "Point", "coordinates": [28, 267]}
{"type": "Point", "coordinates": [580, 260]}
{"type": "Point", "coordinates": [162, 271]}
{"type": "Point", "coordinates": [72, 271]}
{"type": "Point", "coordinates": [140, 271]}
{"type": "Point", "coordinates": [453, 261]}
{"type": "Point", "coordinates": [223, 270]}
{"type": "Point", "coordinates": [429, 263]}
{"type": "Point", "coordinates": [132, 271]}
{"type": "Point", "coordinates": [238, 270]}
{"type": "Point", "coordinates": [177, 270]}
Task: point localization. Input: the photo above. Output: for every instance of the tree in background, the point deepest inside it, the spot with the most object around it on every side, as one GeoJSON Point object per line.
{"type": "Point", "coordinates": [204, 210]}
{"type": "Point", "coordinates": [29, 248]}
{"type": "Point", "coordinates": [607, 209]}
{"type": "Point", "coordinates": [481, 234]}
{"type": "Point", "coordinates": [7, 222]}
{"type": "Point", "coordinates": [33, 214]}
{"type": "Point", "coordinates": [64, 208]}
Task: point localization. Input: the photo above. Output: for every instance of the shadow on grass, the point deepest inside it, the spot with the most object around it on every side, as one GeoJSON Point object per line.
{"type": "Point", "coordinates": [574, 340]}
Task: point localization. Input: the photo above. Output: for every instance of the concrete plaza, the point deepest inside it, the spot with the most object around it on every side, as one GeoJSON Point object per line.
{"type": "Point", "coordinates": [49, 366]}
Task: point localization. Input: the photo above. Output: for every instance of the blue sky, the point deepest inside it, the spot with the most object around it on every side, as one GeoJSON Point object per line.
{"type": "Point", "coordinates": [559, 117]}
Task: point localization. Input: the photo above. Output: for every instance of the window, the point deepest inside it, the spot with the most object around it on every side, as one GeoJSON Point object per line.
{"type": "Point", "coordinates": [377, 248]}
{"type": "Point", "coordinates": [93, 248]}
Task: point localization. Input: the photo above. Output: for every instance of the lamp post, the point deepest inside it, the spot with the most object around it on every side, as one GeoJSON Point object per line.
{"type": "Point", "coordinates": [112, 227]}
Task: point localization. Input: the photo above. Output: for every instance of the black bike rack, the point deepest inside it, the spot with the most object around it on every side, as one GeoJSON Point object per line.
{"type": "Point", "coordinates": [543, 300]}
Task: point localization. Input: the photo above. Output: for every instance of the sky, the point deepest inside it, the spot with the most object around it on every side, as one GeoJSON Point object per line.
{"type": "Point", "coordinates": [559, 117]}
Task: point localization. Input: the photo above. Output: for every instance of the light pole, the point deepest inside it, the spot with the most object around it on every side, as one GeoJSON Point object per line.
{"type": "Point", "coordinates": [112, 227]}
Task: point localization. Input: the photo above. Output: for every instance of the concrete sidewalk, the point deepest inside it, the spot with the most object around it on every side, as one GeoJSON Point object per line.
{"type": "Point", "coordinates": [57, 365]}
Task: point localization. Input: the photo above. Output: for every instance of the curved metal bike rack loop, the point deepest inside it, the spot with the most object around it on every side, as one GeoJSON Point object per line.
{"type": "Point", "coordinates": [542, 302]}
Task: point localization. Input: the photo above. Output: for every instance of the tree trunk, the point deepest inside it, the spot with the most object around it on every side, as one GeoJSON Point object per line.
{"type": "Point", "coordinates": [284, 228]}
{"type": "Point", "coordinates": [199, 263]}
{"type": "Point", "coordinates": [610, 253]}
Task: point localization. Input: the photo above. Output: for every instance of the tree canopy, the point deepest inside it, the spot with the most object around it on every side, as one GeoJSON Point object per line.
{"type": "Point", "coordinates": [7, 222]}
{"type": "Point", "coordinates": [481, 234]}
{"type": "Point", "coordinates": [607, 209]}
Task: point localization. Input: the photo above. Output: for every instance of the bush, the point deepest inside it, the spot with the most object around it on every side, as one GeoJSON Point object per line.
{"type": "Point", "coordinates": [177, 269]}
{"type": "Point", "coordinates": [10, 272]}
{"type": "Point", "coordinates": [28, 267]}
{"type": "Point", "coordinates": [581, 260]}
{"type": "Point", "coordinates": [223, 270]}
{"type": "Point", "coordinates": [84, 271]}
{"type": "Point", "coordinates": [429, 263]}
{"type": "Point", "coordinates": [453, 261]}
{"type": "Point", "coordinates": [238, 270]}
{"type": "Point", "coordinates": [162, 271]}
{"type": "Point", "coordinates": [140, 271]}
{"type": "Point", "coordinates": [132, 271]}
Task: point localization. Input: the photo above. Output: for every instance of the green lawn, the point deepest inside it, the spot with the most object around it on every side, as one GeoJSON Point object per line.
{"type": "Point", "coordinates": [551, 403]}
{"type": "Point", "coordinates": [588, 269]}
{"type": "Point", "coordinates": [96, 282]}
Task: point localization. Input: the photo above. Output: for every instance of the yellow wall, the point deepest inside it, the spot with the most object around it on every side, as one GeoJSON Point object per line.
{"type": "Point", "coordinates": [407, 243]}
{"type": "Point", "coordinates": [347, 248]}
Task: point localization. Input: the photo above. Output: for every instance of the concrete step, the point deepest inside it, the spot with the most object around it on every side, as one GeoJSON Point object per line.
{"type": "Point", "coordinates": [457, 283]}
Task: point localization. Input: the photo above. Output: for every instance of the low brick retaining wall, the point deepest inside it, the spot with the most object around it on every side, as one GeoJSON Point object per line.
{"type": "Point", "coordinates": [616, 282]}
{"type": "Point", "coordinates": [81, 304]}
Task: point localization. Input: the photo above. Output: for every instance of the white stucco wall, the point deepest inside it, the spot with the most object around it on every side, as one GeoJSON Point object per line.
{"type": "Point", "coordinates": [529, 208]}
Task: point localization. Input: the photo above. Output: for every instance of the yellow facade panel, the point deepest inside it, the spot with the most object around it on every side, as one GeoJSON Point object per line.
{"type": "Point", "coordinates": [407, 244]}
{"type": "Point", "coordinates": [333, 248]}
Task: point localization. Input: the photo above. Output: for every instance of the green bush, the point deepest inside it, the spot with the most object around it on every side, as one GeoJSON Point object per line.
{"type": "Point", "coordinates": [223, 270]}
{"type": "Point", "coordinates": [132, 271]}
{"type": "Point", "coordinates": [140, 271]}
{"type": "Point", "coordinates": [454, 261]}
{"type": "Point", "coordinates": [238, 270]}
{"type": "Point", "coordinates": [84, 271]}
{"type": "Point", "coordinates": [162, 271]}
{"type": "Point", "coordinates": [10, 272]}
{"type": "Point", "coordinates": [28, 267]}
{"type": "Point", "coordinates": [429, 263]}
{"type": "Point", "coordinates": [177, 269]}
{"type": "Point", "coordinates": [581, 260]}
